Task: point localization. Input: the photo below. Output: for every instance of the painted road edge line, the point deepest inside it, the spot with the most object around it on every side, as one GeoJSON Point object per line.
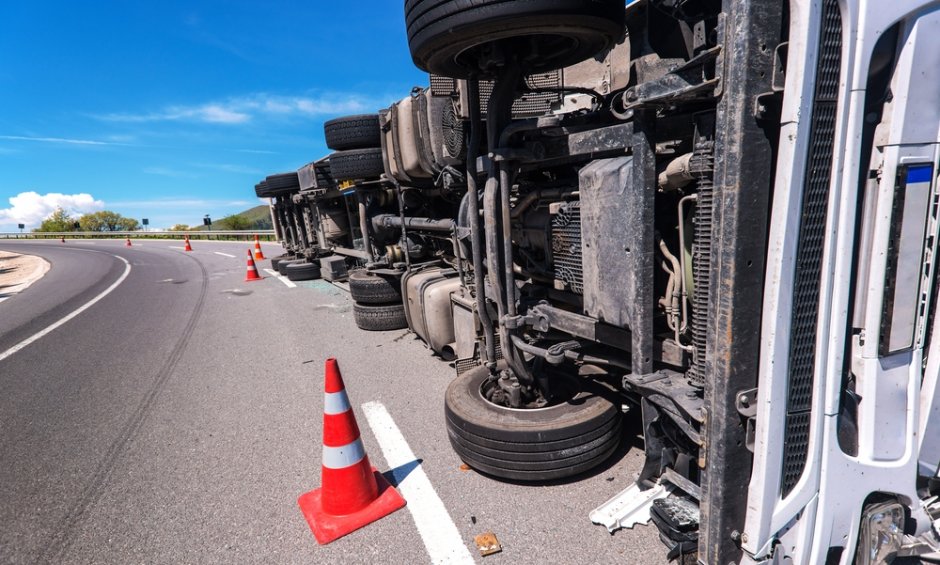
{"type": "Point", "coordinates": [438, 531]}
{"type": "Point", "coordinates": [285, 280]}
{"type": "Point", "coordinates": [74, 313]}
{"type": "Point", "coordinates": [224, 254]}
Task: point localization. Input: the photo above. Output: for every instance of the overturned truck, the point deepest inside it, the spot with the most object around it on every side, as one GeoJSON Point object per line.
{"type": "Point", "coordinates": [720, 216]}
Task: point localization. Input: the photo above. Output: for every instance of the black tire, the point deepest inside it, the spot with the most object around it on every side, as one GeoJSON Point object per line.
{"type": "Point", "coordinates": [302, 271]}
{"type": "Point", "coordinates": [279, 258]}
{"type": "Point", "coordinates": [282, 265]}
{"type": "Point", "coordinates": [353, 132]}
{"type": "Point", "coordinates": [368, 288]}
{"type": "Point", "coordinates": [282, 183]}
{"type": "Point", "coordinates": [380, 317]}
{"type": "Point", "coordinates": [262, 190]}
{"type": "Point", "coordinates": [447, 38]}
{"type": "Point", "coordinates": [531, 445]}
{"type": "Point", "coordinates": [357, 164]}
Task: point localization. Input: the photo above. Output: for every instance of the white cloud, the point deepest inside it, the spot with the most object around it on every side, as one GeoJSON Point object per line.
{"type": "Point", "coordinates": [240, 110]}
{"type": "Point", "coordinates": [64, 140]}
{"type": "Point", "coordinates": [31, 208]}
{"type": "Point", "coordinates": [168, 172]}
{"type": "Point", "coordinates": [178, 203]}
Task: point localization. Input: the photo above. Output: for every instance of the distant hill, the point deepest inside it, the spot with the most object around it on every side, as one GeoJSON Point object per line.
{"type": "Point", "coordinates": [259, 218]}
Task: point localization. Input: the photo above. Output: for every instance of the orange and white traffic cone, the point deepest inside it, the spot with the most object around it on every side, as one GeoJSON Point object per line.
{"type": "Point", "coordinates": [128, 242]}
{"type": "Point", "coordinates": [258, 254]}
{"type": "Point", "coordinates": [188, 246]}
{"type": "Point", "coordinates": [252, 269]}
{"type": "Point", "coordinates": [353, 493]}
{"type": "Point", "coordinates": [62, 239]}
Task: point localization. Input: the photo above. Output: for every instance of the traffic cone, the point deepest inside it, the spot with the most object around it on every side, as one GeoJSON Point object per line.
{"type": "Point", "coordinates": [128, 243]}
{"type": "Point", "coordinates": [188, 246]}
{"type": "Point", "coordinates": [258, 254]}
{"type": "Point", "coordinates": [252, 270]}
{"type": "Point", "coordinates": [62, 239]}
{"type": "Point", "coordinates": [353, 493]}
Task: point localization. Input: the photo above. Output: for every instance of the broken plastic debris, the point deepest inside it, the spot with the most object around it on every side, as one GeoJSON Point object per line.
{"type": "Point", "coordinates": [629, 508]}
{"type": "Point", "coordinates": [487, 544]}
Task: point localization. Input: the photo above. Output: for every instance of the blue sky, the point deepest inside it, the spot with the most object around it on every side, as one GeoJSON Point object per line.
{"type": "Point", "coordinates": [171, 110]}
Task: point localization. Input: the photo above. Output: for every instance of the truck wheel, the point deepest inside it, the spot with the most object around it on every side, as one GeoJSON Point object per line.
{"type": "Point", "coordinates": [279, 258]}
{"type": "Point", "coordinates": [448, 38]}
{"type": "Point", "coordinates": [302, 271]}
{"type": "Point", "coordinates": [357, 164]}
{"type": "Point", "coordinates": [380, 317]}
{"type": "Point", "coordinates": [367, 288]}
{"type": "Point", "coordinates": [282, 183]}
{"type": "Point", "coordinates": [541, 444]}
{"type": "Point", "coordinates": [282, 265]}
{"type": "Point", "coordinates": [353, 132]}
{"type": "Point", "coordinates": [262, 190]}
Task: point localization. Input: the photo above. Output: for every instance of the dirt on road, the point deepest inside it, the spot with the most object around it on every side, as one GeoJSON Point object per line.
{"type": "Point", "coordinates": [19, 271]}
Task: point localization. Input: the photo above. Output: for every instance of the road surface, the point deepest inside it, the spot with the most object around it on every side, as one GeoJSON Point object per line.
{"type": "Point", "coordinates": [177, 418]}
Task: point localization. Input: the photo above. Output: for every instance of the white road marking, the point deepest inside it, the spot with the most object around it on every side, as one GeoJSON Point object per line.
{"type": "Point", "coordinates": [440, 535]}
{"type": "Point", "coordinates": [76, 312]}
{"type": "Point", "coordinates": [223, 254]}
{"type": "Point", "coordinates": [278, 276]}
{"type": "Point", "coordinates": [176, 247]}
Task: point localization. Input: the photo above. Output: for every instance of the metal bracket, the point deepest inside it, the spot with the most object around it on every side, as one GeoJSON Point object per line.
{"type": "Point", "coordinates": [746, 403]}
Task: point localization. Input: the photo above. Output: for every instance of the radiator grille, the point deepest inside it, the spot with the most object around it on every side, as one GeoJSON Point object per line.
{"type": "Point", "coordinates": [527, 105]}
{"type": "Point", "coordinates": [703, 162]}
{"type": "Point", "coordinates": [808, 265]}
{"type": "Point", "coordinates": [566, 247]}
{"type": "Point", "coordinates": [464, 365]}
{"type": "Point", "coordinates": [532, 104]}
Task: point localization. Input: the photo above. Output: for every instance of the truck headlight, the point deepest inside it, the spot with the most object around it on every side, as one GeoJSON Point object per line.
{"type": "Point", "coordinates": [882, 533]}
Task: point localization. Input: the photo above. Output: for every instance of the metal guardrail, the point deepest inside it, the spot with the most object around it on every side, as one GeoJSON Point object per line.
{"type": "Point", "coordinates": [236, 235]}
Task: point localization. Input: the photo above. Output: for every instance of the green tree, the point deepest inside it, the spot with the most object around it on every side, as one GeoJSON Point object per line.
{"type": "Point", "coordinates": [107, 220]}
{"type": "Point", "coordinates": [234, 222]}
{"type": "Point", "coordinates": [58, 221]}
{"type": "Point", "coordinates": [180, 227]}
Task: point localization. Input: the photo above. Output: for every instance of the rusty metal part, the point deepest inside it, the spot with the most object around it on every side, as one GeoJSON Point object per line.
{"type": "Point", "coordinates": [487, 544]}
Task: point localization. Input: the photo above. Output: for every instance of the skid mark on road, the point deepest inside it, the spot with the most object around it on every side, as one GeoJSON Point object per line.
{"type": "Point", "coordinates": [61, 536]}
{"type": "Point", "coordinates": [440, 535]}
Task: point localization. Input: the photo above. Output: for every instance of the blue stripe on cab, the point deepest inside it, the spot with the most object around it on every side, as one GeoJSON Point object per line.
{"type": "Point", "coordinates": [919, 173]}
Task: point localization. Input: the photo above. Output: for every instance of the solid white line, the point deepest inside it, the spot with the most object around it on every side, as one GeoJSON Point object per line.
{"type": "Point", "coordinates": [223, 254]}
{"type": "Point", "coordinates": [440, 535]}
{"type": "Point", "coordinates": [76, 312]}
{"type": "Point", "coordinates": [176, 247]}
{"type": "Point", "coordinates": [285, 280]}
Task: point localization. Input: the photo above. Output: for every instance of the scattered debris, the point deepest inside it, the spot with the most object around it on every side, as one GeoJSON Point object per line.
{"type": "Point", "coordinates": [464, 467]}
{"type": "Point", "coordinates": [237, 291]}
{"type": "Point", "coordinates": [629, 508]}
{"type": "Point", "coordinates": [487, 544]}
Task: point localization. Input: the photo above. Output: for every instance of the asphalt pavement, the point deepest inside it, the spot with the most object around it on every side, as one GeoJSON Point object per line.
{"type": "Point", "coordinates": [177, 420]}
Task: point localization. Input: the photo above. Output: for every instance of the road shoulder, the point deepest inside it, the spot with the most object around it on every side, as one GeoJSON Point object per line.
{"type": "Point", "coordinates": [18, 271]}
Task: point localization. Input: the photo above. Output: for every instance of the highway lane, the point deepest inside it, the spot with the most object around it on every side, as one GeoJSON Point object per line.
{"type": "Point", "coordinates": [178, 422]}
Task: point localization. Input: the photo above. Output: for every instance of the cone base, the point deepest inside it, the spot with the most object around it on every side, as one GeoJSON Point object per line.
{"type": "Point", "coordinates": [327, 528]}
{"type": "Point", "coordinates": [254, 279]}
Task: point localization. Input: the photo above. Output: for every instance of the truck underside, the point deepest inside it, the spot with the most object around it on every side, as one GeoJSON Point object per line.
{"type": "Point", "coordinates": [709, 222]}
